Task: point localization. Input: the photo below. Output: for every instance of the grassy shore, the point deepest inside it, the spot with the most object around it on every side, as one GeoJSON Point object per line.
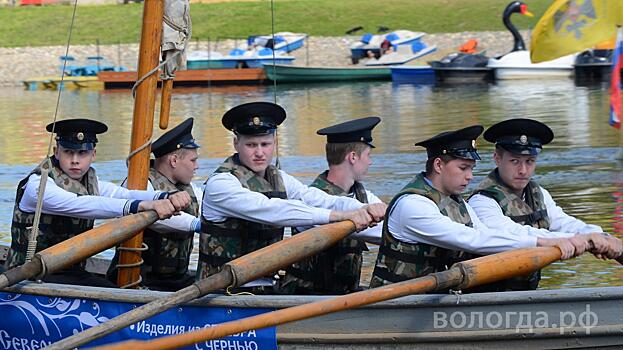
{"type": "Point", "coordinates": [38, 26]}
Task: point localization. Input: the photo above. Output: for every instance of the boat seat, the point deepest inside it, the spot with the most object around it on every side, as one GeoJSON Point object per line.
{"type": "Point", "coordinates": [404, 50]}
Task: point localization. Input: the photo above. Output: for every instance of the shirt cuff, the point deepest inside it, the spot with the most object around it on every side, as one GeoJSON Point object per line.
{"type": "Point", "coordinates": [529, 242]}
{"type": "Point", "coordinates": [196, 225]}
{"type": "Point", "coordinates": [321, 216]}
{"type": "Point", "coordinates": [161, 195]}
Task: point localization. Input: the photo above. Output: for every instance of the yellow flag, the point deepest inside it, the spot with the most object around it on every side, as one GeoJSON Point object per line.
{"type": "Point", "coordinates": [570, 26]}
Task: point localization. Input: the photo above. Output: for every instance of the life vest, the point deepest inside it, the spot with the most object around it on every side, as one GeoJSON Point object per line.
{"type": "Point", "coordinates": [398, 261]}
{"type": "Point", "coordinates": [529, 211]}
{"type": "Point", "coordinates": [336, 270]}
{"type": "Point", "coordinates": [169, 253]}
{"type": "Point", "coordinates": [53, 229]}
{"type": "Point", "coordinates": [221, 242]}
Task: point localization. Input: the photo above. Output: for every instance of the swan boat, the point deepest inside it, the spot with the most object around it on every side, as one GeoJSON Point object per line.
{"type": "Point", "coordinates": [517, 64]}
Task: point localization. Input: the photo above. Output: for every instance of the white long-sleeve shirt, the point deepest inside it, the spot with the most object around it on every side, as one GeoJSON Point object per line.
{"type": "Point", "coordinates": [372, 234]}
{"type": "Point", "coordinates": [417, 219]}
{"type": "Point", "coordinates": [225, 197]}
{"type": "Point", "coordinates": [178, 223]}
{"type": "Point", "coordinates": [57, 201]}
{"type": "Point", "coordinates": [561, 224]}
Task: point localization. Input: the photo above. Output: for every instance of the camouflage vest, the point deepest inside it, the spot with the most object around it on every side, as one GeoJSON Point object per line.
{"type": "Point", "coordinates": [531, 211]}
{"type": "Point", "coordinates": [53, 229]}
{"type": "Point", "coordinates": [337, 270]}
{"type": "Point", "coordinates": [169, 253]}
{"type": "Point", "coordinates": [399, 261]}
{"type": "Point", "coordinates": [222, 242]}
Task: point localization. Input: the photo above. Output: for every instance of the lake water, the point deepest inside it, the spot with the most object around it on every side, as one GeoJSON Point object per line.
{"type": "Point", "coordinates": [580, 167]}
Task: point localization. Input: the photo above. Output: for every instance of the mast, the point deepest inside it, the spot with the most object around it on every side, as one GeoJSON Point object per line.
{"type": "Point", "coordinates": [142, 126]}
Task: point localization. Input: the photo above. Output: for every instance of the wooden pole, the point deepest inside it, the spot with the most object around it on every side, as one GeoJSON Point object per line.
{"type": "Point", "coordinates": [466, 274]}
{"type": "Point", "coordinates": [165, 103]}
{"type": "Point", "coordinates": [142, 125]}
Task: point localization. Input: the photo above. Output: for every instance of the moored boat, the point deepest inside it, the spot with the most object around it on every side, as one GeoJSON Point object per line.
{"type": "Point", "coordinates": [283, 42]}
{"type": "Point", "coordinates": [402, 55]}
{"type": "Point", "coordinates": [235, 59]}
{"type": "Point", "coordinates": [56, 83]}
{"type": "Point", "coordinates": [517, 64]}
{"type": "Point", "coordinates": [371, 44]}
{"type": "Point", "coordinates": [297, 74]}
{"type": "Point", "coordinates": [593, 65]}
{"type": "Point", "coordinates": [413, 74]}
{"type": "Point", "coordinates": [462, 68]}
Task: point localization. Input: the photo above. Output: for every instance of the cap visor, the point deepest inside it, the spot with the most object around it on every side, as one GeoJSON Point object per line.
{"type": "Point", "coordinates": [191, 145]}
{"type": "Point", "coordinates": [78, 146]}
{"type": "Point", "coordinates": [522, 150]}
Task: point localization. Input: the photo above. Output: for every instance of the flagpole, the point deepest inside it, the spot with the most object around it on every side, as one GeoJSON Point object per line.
{"type": "Point", "coordinates": [616, 97]}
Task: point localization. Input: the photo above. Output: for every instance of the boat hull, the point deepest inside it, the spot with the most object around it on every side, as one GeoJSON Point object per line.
{"type": "Point", "coordinates": [236, 62]}
{"type": "Point", "coordinates": [294, 74]}
{"type": "Point", "coordinates": [454, 75]}
{"type": "Point", "coordinates": [413, 75]}
{"type": "Point", "coordinates": [517, 65]}
{"type": "Point", "coordinates": [571, 318]}
{"type": "Point", "coordinates": [595, 72]}
{"type": "Point", "coordinates": [507, 73]}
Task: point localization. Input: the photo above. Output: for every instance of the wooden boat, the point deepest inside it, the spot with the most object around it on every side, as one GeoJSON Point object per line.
{"type": "Point", "coordinates": [199, 77]}
{"type": "Point", "coordinates": [39, 314]}
{"type": "Point", "coordinates": [297, 74]}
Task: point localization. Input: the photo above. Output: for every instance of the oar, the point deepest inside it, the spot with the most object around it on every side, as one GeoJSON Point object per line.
{"type": "Point", "coordinates": [463, 275]}
{"type": "Point", "coordinates": [78, 248]}
{"type": "Point", "coordinates": [235, 273]}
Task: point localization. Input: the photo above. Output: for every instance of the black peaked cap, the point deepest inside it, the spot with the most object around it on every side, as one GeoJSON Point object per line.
{"type": "Point", "coordinates": [77, 133]}
{"type": "Point", "coordinates": [358, 130]}
{"type": "Point", "coordinates": [254, 118]}
{"type": "Point", "coordinates": [459, 143]}
{"type": "Point", "coordinates": [174, 139]}
{"type": "Point", "coordinates": [520, 135]}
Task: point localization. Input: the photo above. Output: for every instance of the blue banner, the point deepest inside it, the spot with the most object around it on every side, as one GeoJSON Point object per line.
{"type": "Point", "coordinates": [30, 322]}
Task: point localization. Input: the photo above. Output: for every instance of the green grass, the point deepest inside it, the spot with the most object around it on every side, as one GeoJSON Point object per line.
{"type": "Point", "coordinates": [36, 26]}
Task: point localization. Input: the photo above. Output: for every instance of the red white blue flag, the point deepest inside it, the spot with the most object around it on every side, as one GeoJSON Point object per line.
{"type": "Point", "coordinates": [615, 82]}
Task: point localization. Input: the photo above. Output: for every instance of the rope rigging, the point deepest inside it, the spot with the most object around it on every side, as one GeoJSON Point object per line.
{"type": "Point", "coordinates": [46, 166]}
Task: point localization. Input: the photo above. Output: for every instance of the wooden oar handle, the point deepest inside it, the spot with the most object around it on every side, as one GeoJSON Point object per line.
{"type": "Point", "coordinates": [501, 266]}
{"type": "Point", "coordinates": [466, 274]}
{"type": "Point", "coordinates": [80, 247]}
